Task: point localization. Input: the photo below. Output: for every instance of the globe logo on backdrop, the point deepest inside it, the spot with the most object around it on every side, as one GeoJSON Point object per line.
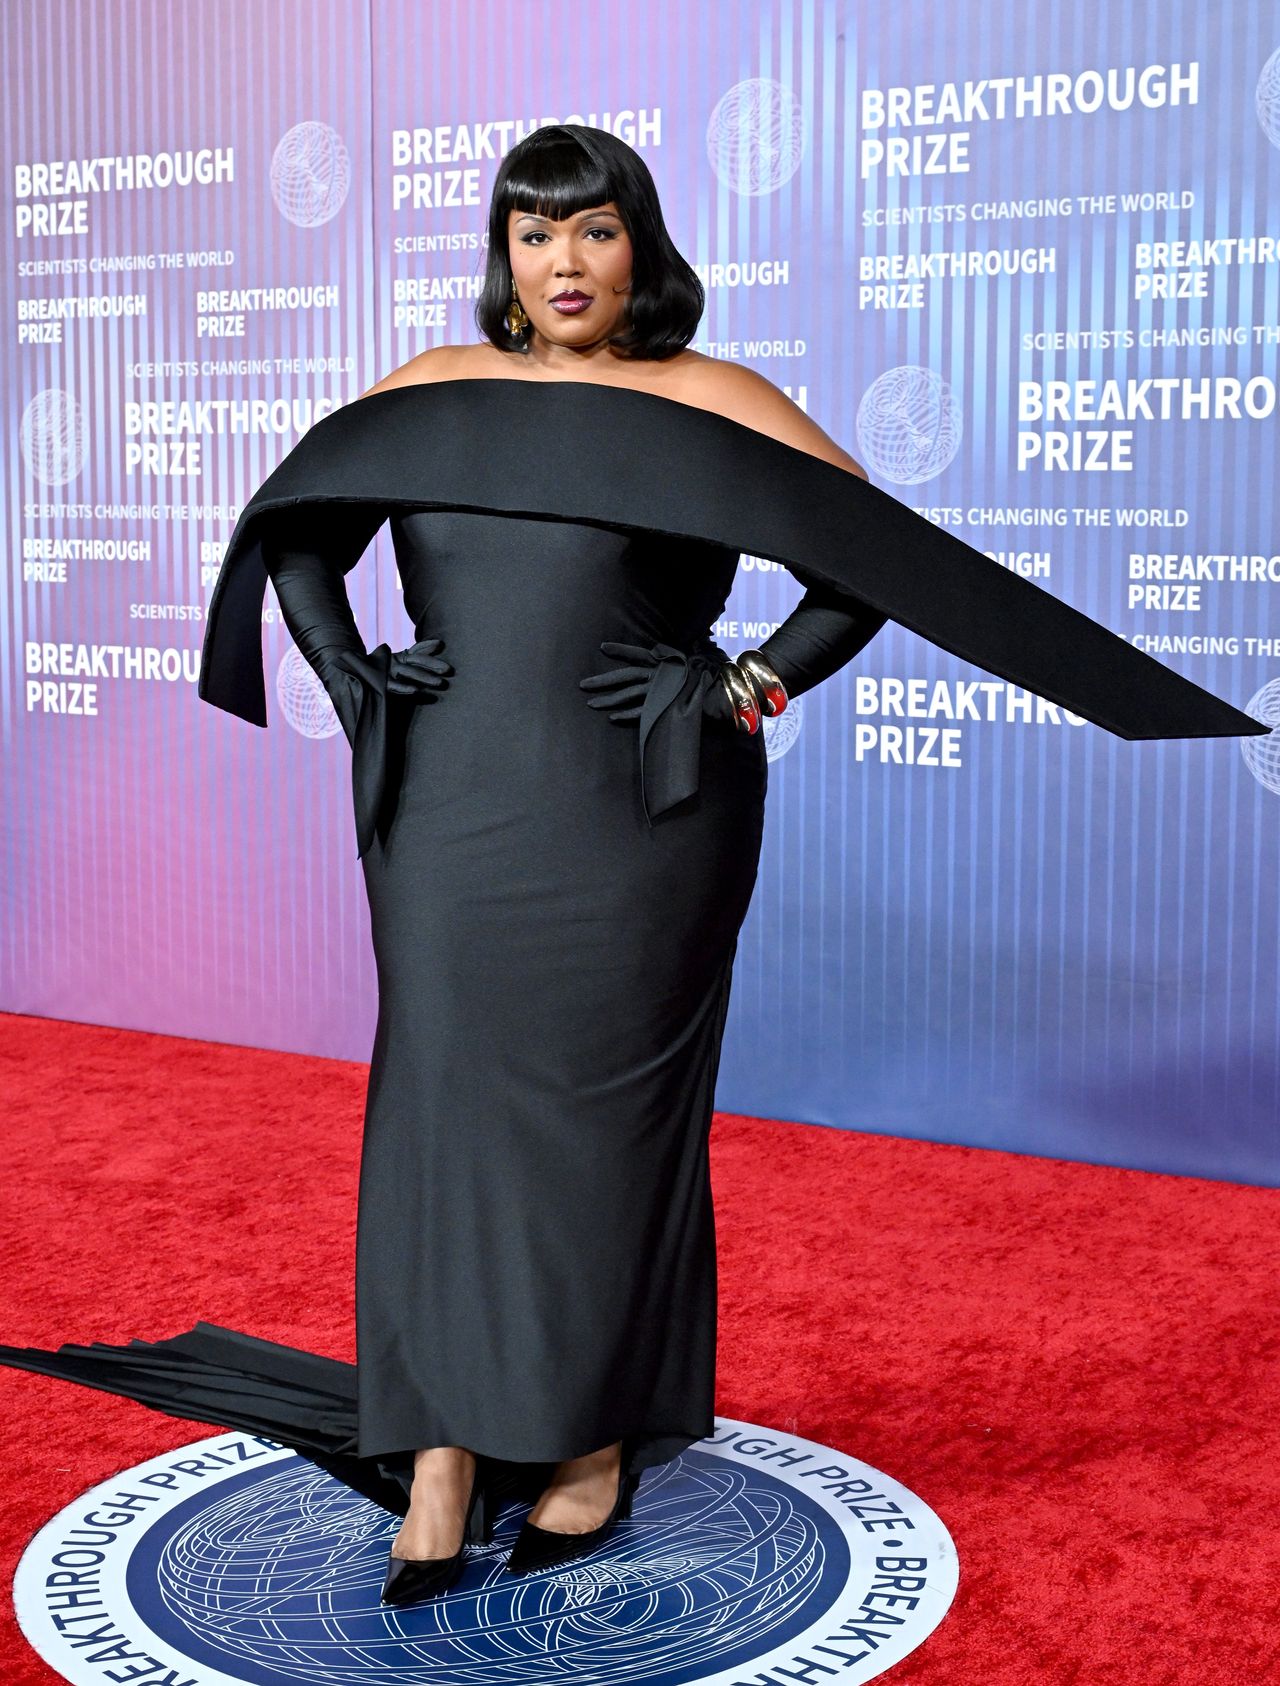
{"type": "Point", "coordinates": [1262, 755]}
{"type": "Point", "coordinates": [755, 136]}
{"type": "Point", "coordinates": [909, 424]}
{"type": "Point", "coordinates": [235, 1562]}
{"type": "Point", "coordinates": [1266, 98]}
{"type": "Point", "coordinates": [782, 730]}
{"type": "Point", "coordinates": [310, 174]}
{"type": "Point", "coordinates": [303, 700]}
{"type": "Point", "coordinates": [53, 438]}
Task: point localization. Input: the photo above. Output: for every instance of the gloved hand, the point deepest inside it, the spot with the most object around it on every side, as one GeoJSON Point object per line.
{"type": "Point", "coordinates": [622, 690]}
{"type": "Point", "coordinates": [361, 684]}
{"type": "Point", "coordinates": [668, 691]}
{"type": "Point", "coordinates": [417, 671]}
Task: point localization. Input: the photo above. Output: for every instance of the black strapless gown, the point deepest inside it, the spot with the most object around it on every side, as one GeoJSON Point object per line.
{"type": "Point", "coordinates": [536, 1254]}
{"type": "Point", "coordinates": [555, 903]}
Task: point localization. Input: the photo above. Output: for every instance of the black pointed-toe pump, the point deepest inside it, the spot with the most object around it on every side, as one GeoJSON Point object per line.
{"type": "Point", "coordinates": [410, 1579]}
{"type": "Point", "coordinates": [543, 1548]}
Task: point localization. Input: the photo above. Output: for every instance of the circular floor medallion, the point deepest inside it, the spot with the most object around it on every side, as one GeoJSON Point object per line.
{"type": "Point", "coordinates": [233, 1562]}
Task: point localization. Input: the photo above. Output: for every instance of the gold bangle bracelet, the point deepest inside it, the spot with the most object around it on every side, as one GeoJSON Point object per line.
{"type": "Point", "coordinates": [769, 688]}
{"type": "Point", "coordinates": [746, 710]}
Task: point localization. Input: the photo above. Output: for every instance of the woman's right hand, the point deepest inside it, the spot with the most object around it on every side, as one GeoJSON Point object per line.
{"type": "Point", "coordinates": [364, 707]}
{"type": "Point", "coordinates": [417, 671]}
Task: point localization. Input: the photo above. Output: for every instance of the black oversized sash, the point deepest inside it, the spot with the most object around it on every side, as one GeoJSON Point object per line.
{"type": "Point", "coordinates": [585, 452]}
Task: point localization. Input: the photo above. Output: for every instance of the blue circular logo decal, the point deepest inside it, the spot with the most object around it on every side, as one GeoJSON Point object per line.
{"type": "Point", "coordinates": [235, 1561]}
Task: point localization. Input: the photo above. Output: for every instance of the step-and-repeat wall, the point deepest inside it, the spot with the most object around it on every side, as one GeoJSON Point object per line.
{"type": "Point", "coordinates": [1021, 262]}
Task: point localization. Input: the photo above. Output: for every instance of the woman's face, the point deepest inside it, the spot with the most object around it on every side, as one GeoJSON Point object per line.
{"type": "Point", "coordinates": [587, 253]}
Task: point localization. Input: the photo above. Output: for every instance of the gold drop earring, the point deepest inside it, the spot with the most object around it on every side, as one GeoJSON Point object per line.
{"type": "Point", "coordinates": [517, 321]}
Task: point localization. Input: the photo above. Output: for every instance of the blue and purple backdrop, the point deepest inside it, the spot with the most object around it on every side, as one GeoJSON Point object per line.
{"type": "Point", "coordinates": [1021, 262]}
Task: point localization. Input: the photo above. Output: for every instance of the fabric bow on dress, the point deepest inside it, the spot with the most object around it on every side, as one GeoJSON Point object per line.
{"type": "Point", "coordinates": [668, 690]}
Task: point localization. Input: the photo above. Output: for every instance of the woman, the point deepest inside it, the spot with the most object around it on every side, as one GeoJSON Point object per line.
{"type": "Point", "coordinates": [520, 845]}
{"type": "Point", "coordinates": [558, 856]}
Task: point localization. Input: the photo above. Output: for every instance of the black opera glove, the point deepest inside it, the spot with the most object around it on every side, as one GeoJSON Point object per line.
{"type": "Point", "coordinates": [308, 571]}
{"type": "Point", "coordinates": [668, 690]}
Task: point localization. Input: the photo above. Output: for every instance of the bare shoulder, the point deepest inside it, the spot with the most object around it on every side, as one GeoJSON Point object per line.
{"type": "Point", "coordinates": [744, 395]}
{"type": "Point", "coordinates": [436, 363]}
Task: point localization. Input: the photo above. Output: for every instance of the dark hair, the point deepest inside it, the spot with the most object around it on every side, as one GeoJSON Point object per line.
{"type": "Point", "coordinates": [564, 168]}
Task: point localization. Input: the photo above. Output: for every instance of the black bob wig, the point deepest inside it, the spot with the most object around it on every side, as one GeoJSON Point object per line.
{"type": "Point", "coordinates": [564, 168]}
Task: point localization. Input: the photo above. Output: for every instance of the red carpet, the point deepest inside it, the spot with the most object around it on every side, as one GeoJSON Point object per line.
{"type": "Point", "coordinates": [1077, 1367]}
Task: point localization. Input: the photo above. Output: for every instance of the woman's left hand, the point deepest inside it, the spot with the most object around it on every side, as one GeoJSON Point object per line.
{"type": "Point", "coordinates": [668, 691]}
{"type": "Point", "coordinates": [622, 690]}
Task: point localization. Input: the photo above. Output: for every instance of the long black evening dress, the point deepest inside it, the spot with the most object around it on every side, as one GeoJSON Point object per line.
{"type": "Point", "coordinates": [555, 895]}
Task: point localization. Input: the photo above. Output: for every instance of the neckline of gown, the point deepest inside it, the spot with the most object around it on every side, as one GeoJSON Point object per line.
{"type": "Point", "coordinates": [598, 386]}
